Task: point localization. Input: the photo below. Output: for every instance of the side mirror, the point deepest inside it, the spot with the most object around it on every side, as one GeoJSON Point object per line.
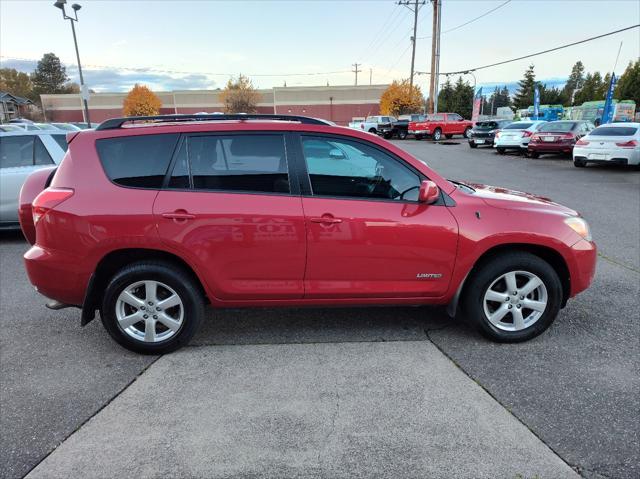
{"type": "Point", "coordinates": [336, 154]}
{"type": "Point", "coordinates": [429, 192]}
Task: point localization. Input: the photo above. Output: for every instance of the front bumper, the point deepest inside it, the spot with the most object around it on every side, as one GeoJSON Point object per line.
{"type": "Point", "coordinates": [582, 265]}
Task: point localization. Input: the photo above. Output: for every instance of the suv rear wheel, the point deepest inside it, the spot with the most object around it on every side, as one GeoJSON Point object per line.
{"type": "Point", "coordinates": [513, 297]}
{"type": "Point", "coordinates": [152, 307]}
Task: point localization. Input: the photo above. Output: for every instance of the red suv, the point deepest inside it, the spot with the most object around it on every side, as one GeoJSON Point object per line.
{"type": "Point", "coordinates": [149, 219]}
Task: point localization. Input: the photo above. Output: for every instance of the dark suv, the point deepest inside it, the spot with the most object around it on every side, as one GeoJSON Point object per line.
{"type": "Point", "coordinates": [149, 219]}
{"type": "Point", "coordinates": [484, 132]}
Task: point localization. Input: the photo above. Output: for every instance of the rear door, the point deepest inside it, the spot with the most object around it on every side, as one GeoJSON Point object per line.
{"type": "Point", "coordinates": [230, 207]}
{"type": "Point", "coordinates": [368, 236]}
{"type": "Point", "coordinates": [20, 155]}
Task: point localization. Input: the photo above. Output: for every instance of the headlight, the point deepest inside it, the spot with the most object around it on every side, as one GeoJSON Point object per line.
{"type": "Point", "coordinates": [580, 226]}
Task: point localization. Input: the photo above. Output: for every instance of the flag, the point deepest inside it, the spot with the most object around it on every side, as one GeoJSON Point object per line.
{"type": "Point", "coordinates": [476, 105]}
{"type": "Point", "coordinates": [607, 112]}
{"type": "Point", "coordinates": [536, 102]}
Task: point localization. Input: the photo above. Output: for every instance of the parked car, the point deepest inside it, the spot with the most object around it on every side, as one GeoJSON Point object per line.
{"type": "Point", "coordinates": [66, 126]}
{"type": "Point", "coordinates": [483, 132]}
{"type": "Point", "coordinates": [372, 123]}
{"type": "Point", "coordinates": [147, 224]}
{"type": "Point", "coordinates": [440, 124]}
{"type": "Point", "coordinates": [21, 153]}
{"type": "Point", "coordinates": [557, 137]}
{"type": "Point", "coordinates": [616, 143]}
{"type": "Point", "coordinates": [356, 121]}
{"type": "Point", "coordinates": [7, 127]}
{"type": "Point", "coordinates": [399, 128]}
{"type": "Point", "coordinates": [516, 135]}
{"type": "Point", "coordinates": [27, 126]}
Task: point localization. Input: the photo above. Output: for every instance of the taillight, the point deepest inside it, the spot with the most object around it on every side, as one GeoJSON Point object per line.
{"type": "Point", "coordinates": [582, 142]}
{"type": "Point", "coordinates": [628, 144]}
{"type": "Point", "coordinates": [48, 199]}
{"type": "Point", "coordinates": [535, 138]}
{"type": "Point", "coordinates": [526, 134]}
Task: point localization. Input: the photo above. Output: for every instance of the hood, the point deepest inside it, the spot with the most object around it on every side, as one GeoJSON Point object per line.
{"type": "Point", "coordinates": [498, 197]}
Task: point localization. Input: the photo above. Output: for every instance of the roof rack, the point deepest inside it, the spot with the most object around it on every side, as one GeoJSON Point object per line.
{"type": "Point", "coordinates": [115, 123]}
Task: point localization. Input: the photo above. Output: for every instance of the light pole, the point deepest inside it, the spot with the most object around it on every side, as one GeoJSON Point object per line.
{"type": "Point", "coordinates": [83, 91]}
{"type": "Point", "coordinates": [473, 98]}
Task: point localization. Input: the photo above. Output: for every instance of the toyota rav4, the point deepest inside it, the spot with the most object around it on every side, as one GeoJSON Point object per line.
{"type": "Point", "coordinates": [147, 220]}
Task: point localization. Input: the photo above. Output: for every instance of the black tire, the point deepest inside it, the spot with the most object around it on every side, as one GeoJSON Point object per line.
{"type": "Point", "coordinates": [472, 145]}
{"type": "Point", "coordinates": [388, 136]}
{"type": "Point", "coordinates": [402, 134]}
{"type": "Point", "coordinates": [579, 163]}
{"type": "Point", "coordinates": [500, 151]}
{"type": "Point", "coordinates": [489, 271]}
{"type": "Point", "coordinates": [177, 279]}
{"type": "Point", "coordinates": [437, 134]}
{"type": "Point", "coordinates": [373, 130]}
{"type": "Point", "coordinates": [448, 137]}
{"type": "Point", "coordinates": [467, 132]}
{"type": "Point", "coordinates": [532, 154]}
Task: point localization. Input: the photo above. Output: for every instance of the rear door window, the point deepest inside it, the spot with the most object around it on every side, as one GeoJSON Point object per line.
{"type": "Point", "coordinates": [40, 154]}
{"type": "Point", "coordinates": [16, 151]}
{"type": "Point", "coordinates": [61, 140]}
{"type": "Point", "coordinates": [249, 163]}
{"type": "Point", "coordinates": [137, 161]}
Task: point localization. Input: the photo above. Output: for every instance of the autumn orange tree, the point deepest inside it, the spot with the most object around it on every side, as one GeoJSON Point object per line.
{"type": "Point", "coordinates": [239, 96]}
{"type": "Point", "coordinates": [141, 101]}
{"type": "Point", "coordinates": [401, 98]}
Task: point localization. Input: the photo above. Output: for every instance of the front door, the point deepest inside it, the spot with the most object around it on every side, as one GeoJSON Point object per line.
{"type": "Point", "coordinates": [229, 207]}
{"type": "Point", "coordinates": [368, 236]}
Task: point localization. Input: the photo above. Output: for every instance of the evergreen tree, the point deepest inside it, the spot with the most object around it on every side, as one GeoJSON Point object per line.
{"type": "Point", "coordinates": [629, 84]}
{"type": "Point", "coordinates": [524, 96]}
{"type": "Point", "coordinates": [50, 75]}
{"type": "Point", "coordinates": [463, 98]}
{"type": "Point", "coordinates": [590, 89]}
{"type": "Point", "coordinates": [574, 83]}
{"type": "Point", "coordinates": [445, 96]}
{"type": "Point", "coordinates": [550, 96]}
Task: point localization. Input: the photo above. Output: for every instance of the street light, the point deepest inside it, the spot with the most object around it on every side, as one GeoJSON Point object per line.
{"type": "Point", "coordinates": [83, 90]}
{"type": "Point", "coordinates": [473, 98]}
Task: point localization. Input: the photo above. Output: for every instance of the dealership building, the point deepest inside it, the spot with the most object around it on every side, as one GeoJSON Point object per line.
{"type": "Point", "coordinates": [336, 103]}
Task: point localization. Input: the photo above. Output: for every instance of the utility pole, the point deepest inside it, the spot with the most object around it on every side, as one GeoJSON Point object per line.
{"type": "Point", "coordinates": [356, 70]}
{"type": "Point", "coordinates": [415, 8]}
{"type": "Point", "coordinates": [370, 75]}
{"type": "Point", "coordinates": [435, 57]}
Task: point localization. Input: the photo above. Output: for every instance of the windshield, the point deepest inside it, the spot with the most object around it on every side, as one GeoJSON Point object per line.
{"type": "Point", "coordinates": [517, 126]}
{"type": "Point", "coordinates": [560, 126]}
{"type": "Point", "coordinates": [614, 131]}
{"type": "Point", "coordinates": [486, 125]}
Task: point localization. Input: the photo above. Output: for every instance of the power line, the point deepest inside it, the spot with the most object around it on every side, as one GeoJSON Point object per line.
{"type": "Point", "coordinates": [542, 52]}
{"type": "Point", "coordinates": [382, 39]}
{"type": "Point", "coordinates": [470, 21]}
{"type": "Point", "coordinates": [376, 37]}
{"type": "Point", "coordinates": [415, 10]}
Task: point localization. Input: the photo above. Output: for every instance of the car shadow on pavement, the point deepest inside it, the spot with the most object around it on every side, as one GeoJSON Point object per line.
{"type": "Point", "coordinates": [313, 325]}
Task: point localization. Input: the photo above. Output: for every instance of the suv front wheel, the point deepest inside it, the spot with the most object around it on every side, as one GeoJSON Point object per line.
{"type": "Point", "coordinates": [513, 297]}
{"type": "Point", "coordinates": [152, 307]}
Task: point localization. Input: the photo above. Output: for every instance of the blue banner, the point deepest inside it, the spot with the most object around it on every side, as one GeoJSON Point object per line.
{"type": "Point", "coordinates": [536, 102]}
{"type": "Point", "coordinates": [609, 107]}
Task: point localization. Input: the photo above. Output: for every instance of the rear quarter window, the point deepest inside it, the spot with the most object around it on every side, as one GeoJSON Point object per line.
{"type": "Point", "coordinates": [137, 161]}
{"type": "Point", "coordinates": [61, 140]}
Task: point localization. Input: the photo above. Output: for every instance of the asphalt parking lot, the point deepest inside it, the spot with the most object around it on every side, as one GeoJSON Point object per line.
{"type": "Point", "coordinates": [383, 392]}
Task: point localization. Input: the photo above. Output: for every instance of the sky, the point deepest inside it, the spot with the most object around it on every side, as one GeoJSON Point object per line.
{"type": "Point", "coordinates": [180, 44]}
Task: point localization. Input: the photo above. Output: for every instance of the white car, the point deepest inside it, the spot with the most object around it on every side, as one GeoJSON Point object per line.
{"type": "Point", "coordinates": [21, 153]}
{"type": "Point", "coordinates": [516, 135]}
{"type": "Point", "coordinates": [616, 143]}
{"type": "Point", "coordinates": [371, 123]}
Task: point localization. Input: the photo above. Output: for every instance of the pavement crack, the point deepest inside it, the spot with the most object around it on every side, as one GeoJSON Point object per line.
{"type": "Point", "coordinates": [332, 428]}
{"type": "Point", "coordinates": [617, 263]}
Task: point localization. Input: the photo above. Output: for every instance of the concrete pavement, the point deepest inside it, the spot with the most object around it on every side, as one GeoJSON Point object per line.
{"type": "Point", "coordinates": [392, 409]}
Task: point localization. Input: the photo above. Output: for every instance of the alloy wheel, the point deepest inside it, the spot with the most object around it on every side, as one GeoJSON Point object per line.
{"type": "Point", "coordinates": [149, 311]}
{"type": "Point", "coordinates": [515, 301]}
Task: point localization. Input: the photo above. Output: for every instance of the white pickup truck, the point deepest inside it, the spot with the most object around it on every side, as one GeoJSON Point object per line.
{"type": "Point", "coordinates": [371, 123]}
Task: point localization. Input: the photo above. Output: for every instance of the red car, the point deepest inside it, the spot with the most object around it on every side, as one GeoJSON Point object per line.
{"type": "Point", "coordinates": [440, 124]}
{"type": "Point", "coordinates": [149, 219]}
{"type": "Point", "coordinates": [557, 137]}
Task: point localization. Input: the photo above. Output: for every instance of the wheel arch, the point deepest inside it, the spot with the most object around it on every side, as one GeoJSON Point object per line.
{"type": "Point", "coordinates": [117, 259]}
{"type": "Point", "coordinates": [551, 256]}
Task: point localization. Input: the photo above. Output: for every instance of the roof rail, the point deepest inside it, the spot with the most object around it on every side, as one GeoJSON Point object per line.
{"type": "Point", "coordinates": [115, 123]}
